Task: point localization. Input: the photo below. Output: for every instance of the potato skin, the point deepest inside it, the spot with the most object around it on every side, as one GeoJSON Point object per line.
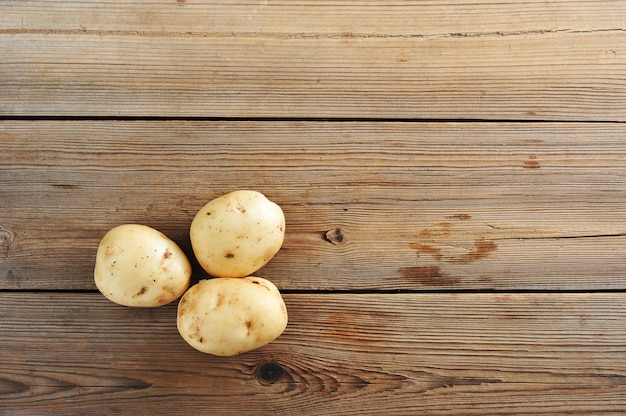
{"type": "Point", "coordinates": [137, 265]}
{"type": "Point", "coordinates": [236, 234]}
{"type": "Point", "coordinates": [230, 316]}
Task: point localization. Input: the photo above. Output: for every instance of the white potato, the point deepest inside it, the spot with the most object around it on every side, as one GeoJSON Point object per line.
{"type": "Point", "coordinates": [229, 316]}
{"type": "Point", "coordinates": [137, 265]}
{"type": "Point", "coordinates": [236, 234]}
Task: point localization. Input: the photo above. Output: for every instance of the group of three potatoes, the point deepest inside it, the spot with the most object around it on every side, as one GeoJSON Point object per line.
{"type": "Point", "coordinates": [232, 237]}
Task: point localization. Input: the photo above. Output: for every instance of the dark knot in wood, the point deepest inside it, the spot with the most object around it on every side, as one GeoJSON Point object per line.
{"type": "Point", "coordinates": [270, 372]}
{"type": "Point", "coordinates": [7, 237]}
{"type": "Point", "coordinates": [334, 236]}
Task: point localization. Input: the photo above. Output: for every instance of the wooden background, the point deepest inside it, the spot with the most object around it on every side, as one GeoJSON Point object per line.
{"type": "Point", "coordinates": [453, 176]}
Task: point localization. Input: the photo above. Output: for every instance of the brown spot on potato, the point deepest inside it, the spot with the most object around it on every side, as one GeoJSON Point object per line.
{"type": "Point", "coordinates": [169, 290]}
{"type": "Point", "coordinates": [219, 299]}
{"type": "Point", "coordinates": [182, 307]}
{"type": "Point", "coordinates": [248, 326]}
{"type": "Point", "coordinates": [428, 276]}
{"type": "Point", "coordinates": [195, 333]}
{"type": "Point", "coordinates": [143, 290]}
{"type": "Point", "coordinates": [269, 253]}
{"type": "Point", "coordinates": [229, 255]}
{"type": "Point", "coordinates": [262, 284]}
{"type": "Point", "coordinates": [238, 207]}
{"type": "Point", "coordinates": [167, 254]}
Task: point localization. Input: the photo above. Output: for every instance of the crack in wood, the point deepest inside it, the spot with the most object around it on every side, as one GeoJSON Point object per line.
{"type": "Point", "coordinates": [561, 237]}
{"type": "Point", "coordinates": [292, 35]}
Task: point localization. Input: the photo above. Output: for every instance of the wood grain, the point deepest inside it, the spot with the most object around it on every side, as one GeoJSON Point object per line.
{"type": "Point", "coordinates": [418, 206]}
{"type": "Point", "coordinates": [555, 60]}
{"type": "Point", "coordinates": [391, 17]}
{"type": "Point", "coordinates": [482, 354]}
{"type": "Point", "coordinates": [453, 176]}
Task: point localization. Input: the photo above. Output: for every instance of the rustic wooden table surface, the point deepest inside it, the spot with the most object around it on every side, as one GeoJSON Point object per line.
{"type": "Point", "coordinates": [453, 176]}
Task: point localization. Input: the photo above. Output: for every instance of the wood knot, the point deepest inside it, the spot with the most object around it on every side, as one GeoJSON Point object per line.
{"type": "Point", "coordinates": [270, 373]}
{"type": "Point", "coordinates": [334, 236]}
{"type": "Point", "coordinates": [7, 237]}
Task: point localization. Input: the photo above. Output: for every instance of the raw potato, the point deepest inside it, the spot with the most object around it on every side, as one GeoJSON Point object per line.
{"type": "Point", "coordinates": [229, 316]}
{"type": "Point", "coordinates": [237, 234]}
{"type": "Point", "coordinates": [139, 266]}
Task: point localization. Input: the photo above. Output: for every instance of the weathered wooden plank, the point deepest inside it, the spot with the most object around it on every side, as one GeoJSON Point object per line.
{"type": "Point", "coordinates": [483, 354]}
{"type": "Point", "coordinates": [376, 17]}
{"type": "Point", "coordinates": [420, 206]}
{"type": "Point", "coordinates": [496, 60]}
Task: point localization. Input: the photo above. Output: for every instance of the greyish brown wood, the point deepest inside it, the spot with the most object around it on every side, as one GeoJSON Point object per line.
{"type": "Point", "coordinates": [469, 354]}
{"type": "Point", "coordinates": [453, 176]}
{"type": "Point", "coordinates": [419, 206]}
{"type": "Point", "coordinates": [558, 60]}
